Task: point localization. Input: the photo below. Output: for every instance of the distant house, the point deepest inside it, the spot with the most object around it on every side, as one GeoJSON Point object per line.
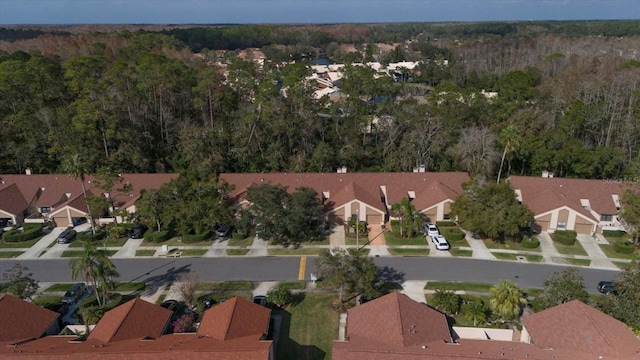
{"type": "Point", "coordinates": [396, 327]}
{"type": "Point", "coordinates": [368, 196]}
{"type": "Point", "coordinates": [585, 206]}
{"type": "Point", "coordinates": [233, 330]}
{"type": "Point", "coordinates": [59, 198]}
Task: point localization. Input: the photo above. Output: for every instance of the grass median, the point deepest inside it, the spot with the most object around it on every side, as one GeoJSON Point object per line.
{"type": "Point", "coordinates": [408, 252]}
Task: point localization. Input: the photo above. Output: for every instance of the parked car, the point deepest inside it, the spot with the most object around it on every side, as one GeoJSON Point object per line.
{"type": "Point", "coordinates": [137, 231]}
{"type": "Point", "coordinates": [607, 287]}
{"type": "Point", "coordinates": [74, 293]}
{"type": "Point", "coordinates": [430, 229]}
{"type": "Point", "coordinates": [170, 305]}
{"type": "Point", "coordinates": [260, 300]}
{"type": "Point", "coordinates": [440, 242]}
{"type": "Point", "coordinates": [223, 231]}
{"type": "Point", "coordinates": [66, 236]}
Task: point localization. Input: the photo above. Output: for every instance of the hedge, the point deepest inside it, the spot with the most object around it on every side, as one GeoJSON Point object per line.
{"type": "Point", "coordinates": [445, 223]}
{"type": "Point", "coordinates": [530, 242]}
{"type": "Point", "coordinates": [29, 231]}
{"type": "Point", "coordinates": [89, 236]}
{"type": "Point", "coordinates": [189, 238]}
{"type": "Point", "coordinates": [613, 233]}
{"type": "Point", "coordinates": [157, 236]}
{"type": "Point", "coordinates": [624, 247]}
{"type": "Point", "coordinates": [565, 237]}
{"type": "Point", "coordinates": [452, 234]}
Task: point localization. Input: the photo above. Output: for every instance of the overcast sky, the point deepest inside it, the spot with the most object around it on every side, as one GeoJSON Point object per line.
{"type": "Point", "coordinates": [306, 11]}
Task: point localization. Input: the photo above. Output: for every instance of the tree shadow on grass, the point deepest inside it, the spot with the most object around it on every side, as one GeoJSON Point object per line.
{"type": "Point", "coordinates": [285, 347]}
{"type": "Point", "coordinates": [389, 274]}
{"type": "Point", "coordinates": [155, 283]}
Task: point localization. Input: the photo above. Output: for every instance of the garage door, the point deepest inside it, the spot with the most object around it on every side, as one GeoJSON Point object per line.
{"type": "Point", "coordinates": [337, 217]}
{"type": "Point", "coordinates": [374, 219]}
{"type": "Point", "coordinates": [584, 229]}
{"type": "Point", "coordinates": [541, 225]}
{"type": "Point", "coordinates": [431, 215]}
{"type": "Point", "coordinates": [61, 221]}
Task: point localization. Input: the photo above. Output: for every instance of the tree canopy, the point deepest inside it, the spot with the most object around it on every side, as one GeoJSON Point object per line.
{"type": "Point", "coordinates": [17, 282]}
{"type": "Point", "coordinates": [562, 287]}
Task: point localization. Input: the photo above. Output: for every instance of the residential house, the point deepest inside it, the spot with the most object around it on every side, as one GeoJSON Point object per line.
{"type": "Point", "coordinates": [58, 197]}
{"type": "Point", "coordinates": [585, 206]}
{"type": "Point", "coordinates": [396, 327]}
{"type": "Point", "coordinates": [367, 196]}
{"type": "Point", "coordinates": [234, 330]}
{"type": "Point", "coordinates": [24, 321]}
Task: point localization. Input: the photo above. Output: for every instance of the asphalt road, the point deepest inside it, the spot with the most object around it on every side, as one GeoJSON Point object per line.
{"type": "Point", "coordinates": [287, 268]}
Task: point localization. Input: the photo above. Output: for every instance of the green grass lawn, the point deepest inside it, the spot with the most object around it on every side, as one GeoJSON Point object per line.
{"type": "Point", "coordinates": [177, 241]}
{"type": "Point", "coordinates": [225, 285]}
{"type": "Point", "coordinates": [193, 252]}
{"type": "Point", "coordinates": [58, 287]}
{"type": "Point", "coordinates": [130, 286]}
{"type": "Point", "coordinates": [237, 252]}
{"type": "Point", "coordinates": [20, 244]}
{"type": "Point", "coordinates": [507, 245]}
{"type": "Point", "coordinates": [611, 252]}
{"type": "Point", "coordinates": [78, 253]}
{"type": "Point", "coordinates": [393, 238]}
{"type": "Point", "coordinates": [240, 242]}
{"type": "Point", "coordinates": [292, 285]}
{"type": "Point", "coordinates": [292, 251]}
{"type": "Point", "coordinates": [101, 243]}
{"type": "Point", "coordinates": [45, 300]}
{"type": "Point", "coordinates": [621, 264]}
{"type": "Point", "coordinates": [308, 329]}
{"type": "Point", "coordinates": [322, 241]}
{"type": "Point", "coordinates": [408, 252]}
{"type": "Point", "coordinates": [575, 249]}
{"type": "Point", "coordinates": [578, 262]}
{"type": "Point", "coordinates": [145, 252]}
{"type": "Point", "coordinates": [457, 285]}
{"type": "Point", "coordinates": [504, 256]}
{"type": "Point", "coordinates": [533, 258]}
{"type": "Point", "coordinates": [460, 252]}
{"type": "Point", "coordinates": [10, 254]}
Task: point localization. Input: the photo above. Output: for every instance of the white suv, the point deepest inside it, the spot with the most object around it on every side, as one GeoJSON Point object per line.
{"type": "Point", "coordinates": [440, 242]}
{"type": "Point", "coordinates": [430, 229]}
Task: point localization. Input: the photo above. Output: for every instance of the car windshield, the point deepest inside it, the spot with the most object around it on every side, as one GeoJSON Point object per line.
{"type": "Point", "coordinates": [70, 293]}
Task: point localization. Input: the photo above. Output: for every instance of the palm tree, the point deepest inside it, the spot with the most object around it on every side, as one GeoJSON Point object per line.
{"type": "Point", "coordinates": [77, 168]}
{"type": "Point", "coordinates": [507, 300]}
{"type": "Point", "coordinates": [447, 301]}
{"type": "Point", "coordinates": [96, 269]}
{"type": "Point", "coordinates": [475, 311]}
{"type": "Point", "coordinates": [410, 218]}
{"type": "Point", "coordinates": [510, 137]}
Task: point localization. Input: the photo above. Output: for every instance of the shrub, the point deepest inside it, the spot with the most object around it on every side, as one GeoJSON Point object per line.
{"type": "Point", "coordinates": [156, 236]}
{"type": "Point", "coordinates": [445, 223]}
{"type": "Point", "coordinates": [28, 232]}
{"type": "Point", "coordinates": [624, 247]}
{"type": "Point", "coordinates": [189, 238]}
{"type": "Point", "coordinates": [613, 233]}
{"type": "Point", "coordinates": [565, 237]}
{"type": "Point", "coordinates": [184, 323]}
{"type": "Point", "coordinates": [89, 301]}
{"type": "Point", "coordinates": [89, 236]}
{"type": "Point", "coordinates": [239, 235]}
{"type": "Point", "coordinates": [530, 242]}
{"type": "Point", "coordinates": [454, 234]}
{"type": "Point", "coordinates": [279, 296]}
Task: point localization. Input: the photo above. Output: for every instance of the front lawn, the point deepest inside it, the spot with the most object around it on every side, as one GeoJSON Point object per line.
{"type": "Point", "coordinates": [292, 251]}
{"type": "Point", "coordinates": [130, 286]}
{"type": "Point", "coordinates": [575, 249]}
{"type": "Point", "coordinates": [145, 252]}
{"type": "Point", "coordinates": [240, 242]}
{"type": "Point", "coordinates": [292, 285]}
{"type": "Point", "coordinates": [237, 252]}
{"type": "Point", "coordinates": [308, 329]}
{"type": "Point", "coordinates": [458, 285]}
{"type": "Point", "coordinates": [610, 252]}
{"type": "Point", "coordinates": [177, 241]}
{"type": "Point", "coordinates": [101, 243]}
{"type": "Point", "coordinates": [193, 252]}
{"type": "Point", "coordinates": [19, 244]}
{"type": "Point", "coordinates": [10, 254]}
{"type": "Point", "coordinates": [393, 238]}
{"type": "Point", "coordinates": [78, 253]}
{"type": "Point", "coordinates": [225, 285]}
{"type": "Point", "coordinates": [578, 262]}
{"type": "Point", "coordinates": [46, 300]}
{"type": "Point", "coordinates": [408, 252]}
{"type": "Point", "coordinates": [460, 252]}
{"type": "Point", "coordinates": [508, 245]}
{"type": "Point", "coordinates": [322, 241]}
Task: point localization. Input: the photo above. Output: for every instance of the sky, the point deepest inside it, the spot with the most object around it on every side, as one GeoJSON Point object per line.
{"type": "Point", "coordinates": [307, 11]}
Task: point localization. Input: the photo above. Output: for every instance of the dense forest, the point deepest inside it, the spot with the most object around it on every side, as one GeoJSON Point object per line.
{"type": "Point", "coordinates": [142, 101]}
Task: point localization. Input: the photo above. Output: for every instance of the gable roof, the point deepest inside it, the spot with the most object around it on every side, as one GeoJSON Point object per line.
{"type": "Point", "coordinates": [235, 318]}
{"type": "Point", "coordinates": [541, 195]}
{"type": "Point", "coordinates": [12, 200]}
{"type": "Point", "coordinates": [579, 327]}
{"type": "Point", "coordinates": [134, 319]}
{"type": "Point", "coordinates": [33, 320]}
{"type": "Point", "coordinates": [397, 320]}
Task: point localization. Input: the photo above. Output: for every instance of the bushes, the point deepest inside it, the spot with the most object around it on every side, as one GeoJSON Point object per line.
{"type": "Point", "coordinates": [452, 234]}
{"type": "Point", "coordinates": [624, 247]}
{"type": "Point", "coordinates": [89, 236]}
{"type": "Point", "coordinates": [28, 232]}
{"type": "Point", "coordinates": [531, 242]}
{"type": "Point", "coordinates": [445, 223]}
{"type": "Point", "coordinates": [189, 238]}
{"type": "Point", "coordinates": [565, 237]}
{"type": "Point", "coordinates": [613, 233]}
{"type": "Point", "coordinates": [156, 236]}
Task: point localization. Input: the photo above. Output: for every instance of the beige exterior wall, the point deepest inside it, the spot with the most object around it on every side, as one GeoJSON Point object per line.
{"type": "Point", "coordinates": [543, 222]}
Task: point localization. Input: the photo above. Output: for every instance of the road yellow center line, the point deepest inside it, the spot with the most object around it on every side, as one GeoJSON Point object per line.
{"type": "Point", "coordinates": [303, 268]}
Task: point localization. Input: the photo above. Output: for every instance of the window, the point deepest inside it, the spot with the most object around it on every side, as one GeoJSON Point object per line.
{"type": "Point", "coordinates": [606, 217]}
{"type": "Point", "coordinates": [446, 217]}
{"type": "Point", "coordinates": [562, 224]}
{"type": "Point", "coordinates": [45, 209]}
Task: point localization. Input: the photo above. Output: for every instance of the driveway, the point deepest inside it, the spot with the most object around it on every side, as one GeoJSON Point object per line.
{"type": "Point", "coordinates": [42, 245]}
{"type": "Point", "coordinates": [549, 252]}
{"type": "Point", "coordinates": [597, 256]}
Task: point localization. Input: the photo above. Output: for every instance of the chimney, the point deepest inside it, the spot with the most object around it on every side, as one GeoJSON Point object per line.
{"type": "Point", "coordinates": [27, 171]}
{"type": "Point", "coordinates": [545, 174]}
{"type": "Point", "coordinates": [344, 169]}
{"type": "Point", "coordinates": [422, 168]}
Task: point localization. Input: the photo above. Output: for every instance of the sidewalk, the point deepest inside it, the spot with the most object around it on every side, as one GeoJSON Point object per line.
{"type": "Point", "coordinates": [480, 251]}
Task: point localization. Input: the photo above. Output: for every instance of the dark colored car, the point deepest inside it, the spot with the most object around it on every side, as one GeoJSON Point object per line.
{"type": "Point", "coordinates": [137, 231]}
{"type": "Point", "coordinates": [74, 293]}
{"type": "Point", "coordinates": [223, 231]}
{"type": "Point", "coordinates": [66, 236]}
{"type": "Point", "coordinates": [607, 287]}
{"type": "Point", "coordinates": [260, 300]}
{"type": "Point", "coordinates": [170, 305]}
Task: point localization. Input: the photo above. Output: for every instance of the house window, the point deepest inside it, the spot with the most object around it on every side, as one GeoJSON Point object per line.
{"type": "Point", "coordinates": [606, 217]}
{"type": "Point", "coordinates": [45, 209]}
{"type": "Point", "coordinates": [446, 217]}
{"type": "Point", "coordinates": [562, 224]}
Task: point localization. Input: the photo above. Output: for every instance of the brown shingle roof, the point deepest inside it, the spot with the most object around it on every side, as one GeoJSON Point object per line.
{"type": "Point", "coordinates": [12, 200]}
{"type": "Point", "coordinates": [235, 318]}
{"type": "Point", "coordinates": [135, 319]}
{"type": "Point", "coordinates": [397, 320]}
{"type": "Point", "coordinates": [20, 320]}
{"type": "Point", "coordinates": [579, 327]}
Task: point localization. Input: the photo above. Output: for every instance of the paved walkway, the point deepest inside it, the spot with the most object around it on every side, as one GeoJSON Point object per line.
{"type": "Point", "coordinates": [478, 247]}
{"type": "Point", "coordinates": [549, 252]}
{"type": "Point", "coordinates": [217, 249]}
{"type": "Point", "coordinates": [34, 251]}
{"type": "Point", "coordinates": [128, 249]}
{"type": "Point", "coordinates": [375, 235]}
{"type": "Point", "coordinates": [414, 290]}
{"type": "Point", "coordinates": [259, 247]}
{"type": "Point", "coordinates": [336, 238]}
{"type": "Point", "coordinates": [379, 250]}
{"type": "Point", "coordinates": [264, 287]}
{"type": "Point", "coordinates": [595, 253]}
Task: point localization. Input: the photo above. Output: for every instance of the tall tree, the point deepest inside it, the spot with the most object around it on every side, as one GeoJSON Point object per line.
{"type": "Point", "coordinates": [509, 136]}
{"type": "Point", "coordinates": [624, 305]}
{"type": "Point", "coordinates": [19, 283]}
{"type": "Point", "coordinates": [410, 219]}
{"type": "Point", "coordinates": [77, 168]}
{"type": "Point", "coordinates": [561, 287]}
{"type": "Point", "coordinates": [507, 300]}
{"type": "Point", "coordinates": [630, 214]}
{"type": "Point", "coordinates": [96, 269]}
